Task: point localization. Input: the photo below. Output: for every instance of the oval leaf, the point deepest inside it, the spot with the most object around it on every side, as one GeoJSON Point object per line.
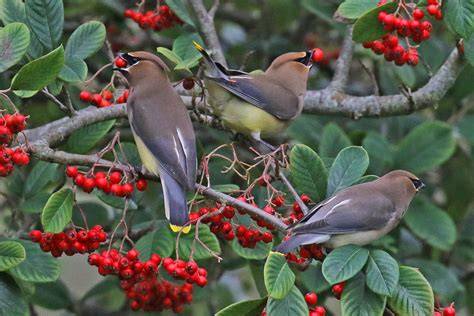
{"type": "Point", "coordinates": [86, 138]}
{"type": "Point", "coordinates": [353, 9]}
{"type": "Point", "coordinates": [358, 300]}
{"type": "Point", "coordinates": [205, 235]}
{"type": "Point", "coordinates": [180, 9]}
{"type": "Point", "coordinates": [53, 296]}
{"type": "Point", "coordinates": [12, 254]}
{"type": "Point", "coordinates": [279, 279]}
{"type": "Point", "coordinates": [333, 140]}
{"type": "Point", "coordinates": [380, 152]}
{"type": "Point", "coordinates": [349, 165]}
{"type": "Point", "coordinates": [74, 70]}
{"type": "Point", "coordinates": [46, 20]}
{"type": "Point", "coordinates": [460, 17]}
{"type": "Point", "coordinates": [343, 263]}
{"type": "Point", "coordinates": [39, 72]}
{"type": "Point", "coordinates": [12, 11]}
{"type": "Point", "coordinates": [86, 40]}
{"type": "Point", "coordinates": [38, 267]}
{"type": "Point", "coordinates": [14, 42]}
{"type": "Point", "coordinates": [42, 174]}
{"type": "Point", "coordinates": [244, 308]}
{"type": "Point", "coordinates": [292, 304]}
{"type": "Point", "coordinates": [368, 28]}
{"type": "Point", "coordinates": [57, 212]}
{"type": "Point", "coordinates": [11, 300]}
{"type": "Point", "coordinates": [381, 273]}
{"type": "Point", "coordinates": [413, 295]}
{"type": "Point", "coordinates": [425, 147]}
{"type": "Point", "coordinates": [308, 172]}
{"type": "Point", "coordinates": [160, 241]}
{"type": "Point", "coordinates": [431, 224]}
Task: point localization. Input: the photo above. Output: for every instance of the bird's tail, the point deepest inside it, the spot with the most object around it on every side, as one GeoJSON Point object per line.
{"type": "Point", "coordinates": [176, 209]}
{"type": "Point", "coordinates": [211, 68]}
{"type": "Point", "coordinates": [301, 239]}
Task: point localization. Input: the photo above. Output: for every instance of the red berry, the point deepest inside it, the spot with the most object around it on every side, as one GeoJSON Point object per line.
{"type": "Point", "coordinates": [101, 183]}
{"type": "Point", "coordinates": [71, 171]}
{"type": "Point", "coordinates": [127, 189]}
{"type": "Point", "coordinates": [418, 14]}
{"type": "Point", "coordinates": [115, 177]}
{"type": "Point", "coordinates": [120, 62]}
{"type": "Point", "coordinates": [96, 99]}
{"type": "Point", "coordinates": [18, 119]}
{"type": "Point", "coordinates": [311, 298]}
{"type": "Point", "coordinates": [433, 2]}
{"type": "Point", "coordinates": [449, 311]}
{"type": "Point", "coordinates": [188, 83]}
{"type": "Point", "coordinates": [317, 55]}
{"type": "Point", "coordinates": [439, 15]}
{"type": "Point", "coordinates": [337, 290]}
{"type": "Point", "coordinates": [267, 237]}
{"type": "Point", "coordinates": [85, 96]}
{"type": "Point", "coordinates": [79, 179]}
{"type": "Point", "coordinates": [320, 311]}
{"type": "Point", "coordinates": [106, 94]}
{"type": "Point", "coordinates": [141, 185]}
{"type": "Point", "coordinates": [389, 20]}
{"type": "Point", "coordinates": [279, 201]}
{"type": "Point", "coordinates": [432, 9]}
{"type": "Point", "coordinates": [381, 16]}
{"type": "Point", "coordinates": [89, 185]}
{"type": "Point", "coordinates": [201, 281]}
{"type": "Point", "coordinates": [437, 314]}
{"type": "Point", "coordinates": [36, 235]}
{"type": "Point", "coordinates": [132, 255]}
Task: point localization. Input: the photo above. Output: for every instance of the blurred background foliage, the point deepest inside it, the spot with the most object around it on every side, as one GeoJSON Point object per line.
{"type": "Point", "coordinates": [437, 234]}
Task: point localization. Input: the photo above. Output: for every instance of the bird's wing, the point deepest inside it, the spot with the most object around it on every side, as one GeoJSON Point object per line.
{"type": "Point", "coordinates": [347, 213]}
{"type": "Point", "coordinates": [230, 72]}
{"type": "Point", "coordinates": [263, 93]}
{"type": "Point", "coordinates": [174, 148]}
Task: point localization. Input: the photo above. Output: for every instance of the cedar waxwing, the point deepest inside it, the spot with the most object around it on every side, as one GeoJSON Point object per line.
{"type": "Point", "coordinates": [356, 215]}
{"type": "Point", "coordinates": [258, 105]}
{"type": "Point", "coordinates": [162, 131]}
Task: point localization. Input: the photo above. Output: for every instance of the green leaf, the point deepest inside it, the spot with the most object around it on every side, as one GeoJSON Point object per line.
{"type": "Point", "coordinates": [56, 87]}
{"type": "Point", "coordinates": [86, 138]}
{"type": "Point", "coordinates": [40, 72]}
{"type": "Point", "coordinates": [57, 212]}
{"type": "Point", "coordinates": [38, 267]}
{"type": "Point", "coordinates": [292, 304]}
{"type": "Point", "coordinates": [353, 9]}
{"type": "Point", "coordinates": [257, 269]}
{"type": "Point", "coordinates": [469, 50]}
{"type": "Point", "coordinates": [11, 300]}
{"type": "Point", "coordinates": [160, 241]}
{"type": "Point", "coordinates": [459, 16]}
{"type": "Point", "coordinates": [205, 235]}
{"type": "Point", "coordinates": [170, 55]}
{"type": "Point", "coordinates": [260, 251]}
{"type": "Point", "coordinates": [180, 9]}
{"type": "Point", "coordinates": [96, 214]}
{"type": "Point", "coordinates": [431, 224]}
{"type": "Point", "coordinates": [46, 20]}
{"type": "Point", "coordinates": [358, 300]}
{"type": "Point", "coordinates": [406, 74]}
{"type": "Point", "coordinates": [53, 296]}
{"type": "Point", "coordinates": [443, 280]}
{"type": "Point", "coordinates": [308, 172]}
{"type": "Point", "coordinates": [74, 70]}
{"type": "Point", "coordinates": [35, 203]}
{"type": "Point", "coordinates": [42, 174]}
{"type": "Point", "coordinates": [115, 201]}
{"type": "Point", "coordinates": [413, 295]}
{"type": "Point", "coordinates": [183, 46]}
{"type": "Point", "coordinates": [344, 262]}
{"type": "Point", "coordinates": [333, 140]}
{"type": "Point", "coordinates": [425, 147]}
{"type": "Point", "coordinates": [381, 273]}
{"type": "Point", "coordinates": [379, 151]}
{"type": "Point", "coordinates": [313, 278]}
{"type": "Point", "coordinates": [279, 279]}
{"type": "Point", "coordinates": [368, 28]}
{"type": "Point", "coordinates": [25, 94]}
{"type": "Point", "coordinates": [14, 42]}
{"type": "Point", "coordinates": [86, 40]}
{"type": "Point", "coordinates": [349, 165]}
{"type": "Point", "coordinates": [12, 254]}
{"type": "Point", "coordinates": [12, 11]}
{"type": "Point", "coordinates": [244, 308]}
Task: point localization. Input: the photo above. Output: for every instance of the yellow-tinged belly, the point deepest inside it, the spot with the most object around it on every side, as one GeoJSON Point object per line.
{"type": "Point", "coordinates": [241, 116]}
{"type": "Point", "coordinates": [148, 159]}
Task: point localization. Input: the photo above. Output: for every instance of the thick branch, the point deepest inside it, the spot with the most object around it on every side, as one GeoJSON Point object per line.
{"type": "Point", "coordinates": [341, 73]}
{"type": "Point", "coordinates": [328, 101]}
{"type": "Point", "coordinates": [208, 31]}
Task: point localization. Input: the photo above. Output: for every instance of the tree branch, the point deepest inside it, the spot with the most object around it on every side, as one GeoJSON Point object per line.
{"type": "Point", "coordinates": [343, 64]}
{"type": "Point", "coordinates": [208, 31]}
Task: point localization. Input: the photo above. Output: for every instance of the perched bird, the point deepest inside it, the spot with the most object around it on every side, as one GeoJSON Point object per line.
{"type": "Point", "coordinates": [258, 105]}
{"type": "Point", "coordinates": [356, 215]}
{"type": "Point", "coordinates": [162, 131]}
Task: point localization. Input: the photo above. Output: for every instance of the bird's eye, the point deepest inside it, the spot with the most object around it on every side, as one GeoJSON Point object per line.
{"type": "Point", "coordinates": [131, 60]}
{"type": "Point", "coordinates": [417, 183]}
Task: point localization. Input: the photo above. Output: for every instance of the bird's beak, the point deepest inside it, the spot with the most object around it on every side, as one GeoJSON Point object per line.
{"type": "Point", "coordinates": [421, 186]}
{"type": "Point", "coordinates": [306, 60]}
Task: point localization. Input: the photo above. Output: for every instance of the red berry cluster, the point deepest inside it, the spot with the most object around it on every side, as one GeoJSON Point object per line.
{"type": "Point", "coordinates": [110, 183]}
{"type": "Point", "coordinates": [447, 311]}
{"type": "Point", "coordinates": [337, 289]}
{"type": "Point", "coordinates": [188, 271]}
{"type": "Point", "coordinates": [9, 126]}
{"type": "Point", "coordinates": [434, 9]}
{"type": "Point", "coordinates": [141, 283]}
{"type": "Point", "coordinates": [413, 28]}
{"type": "Point", "coordinates": [311, 299]}
{"type": "Point", "coordinates": [103, 99]}
{"type": "Point", "coordinates": [161, 18]}
{"type": "Point", "coordinates": [70, 242]}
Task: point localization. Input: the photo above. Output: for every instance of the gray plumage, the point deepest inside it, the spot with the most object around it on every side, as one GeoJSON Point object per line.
{"type": "Point", "coordinates": [356, 215]}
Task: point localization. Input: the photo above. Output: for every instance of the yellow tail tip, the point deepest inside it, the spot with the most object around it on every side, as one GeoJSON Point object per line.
{"type": "Point", "coordinates": [198, 46]}
{"type": "Point", "coordinates": [177, 229]}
